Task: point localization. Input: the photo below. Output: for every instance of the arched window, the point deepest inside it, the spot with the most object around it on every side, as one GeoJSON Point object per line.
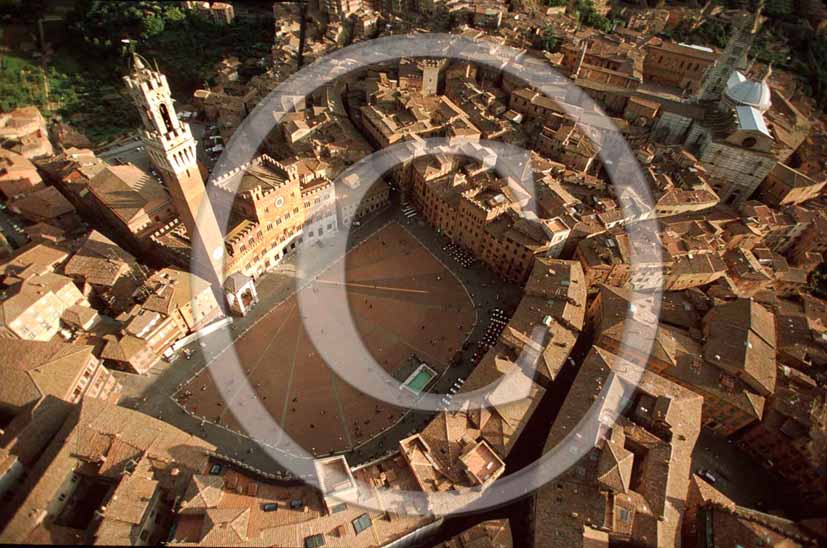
{"type": "Point", "coordinates": [166, 117]}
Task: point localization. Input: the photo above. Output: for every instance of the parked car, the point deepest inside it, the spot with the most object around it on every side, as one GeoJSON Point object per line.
{"type": "Point", "coordinates": [708, 476]}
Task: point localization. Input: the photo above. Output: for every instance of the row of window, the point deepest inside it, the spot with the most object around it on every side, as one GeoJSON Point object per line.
{"type": "Point", "coordinates": [360, 524]}
{"type": "Point", "coordinates": [681, 65]}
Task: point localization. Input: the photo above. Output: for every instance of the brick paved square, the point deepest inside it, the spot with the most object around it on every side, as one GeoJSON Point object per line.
{"type": "Point", "coordinates": [404, 302]}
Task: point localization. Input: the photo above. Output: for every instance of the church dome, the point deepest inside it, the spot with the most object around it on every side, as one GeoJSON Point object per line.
{"type": "Point", "coordinates": [751, 93]}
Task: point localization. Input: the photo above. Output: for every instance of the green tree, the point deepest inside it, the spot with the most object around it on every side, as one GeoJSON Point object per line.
{"type": "Point", "coordinates": [818, 281]}
{"type": "Point", "coordinates": [26, 10]}
{"type": "Point", "coordinates": [152, 26]}
{"type": "Point", "coordinates": [709, 33]}
{"type": "Point", "coordinates": [778, 9]}
{"type": "Point", "coordinates": [713, 32]}
{"type": "Point", "coordinates": [104, 23]}
{"type": "Point", "coordinates": [91, 95]}
{"type": "Point", "coordinates": [816, 72]}
{"type": "Point", "coordinates": [591, 18]}
{"type": "Point", "coordinates": [770, 48]}
{"type": "Point", "coordinates": [548, 40]}
{"type": "Point", "coordinates": [165, 33]}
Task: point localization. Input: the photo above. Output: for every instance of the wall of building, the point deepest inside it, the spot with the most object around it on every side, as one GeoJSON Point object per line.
{"type": "Point", "coordinates": [684, 70]}
{"type": "Point", "coordinates": [670, 128]}
{"type": "Point", "coordinates": [736, 172]}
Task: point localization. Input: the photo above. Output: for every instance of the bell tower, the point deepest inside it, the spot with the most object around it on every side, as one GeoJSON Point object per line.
{"type": "Point", "coordinates": [734, 55]}
{"type": "Point", "coordinates": [171, 149]}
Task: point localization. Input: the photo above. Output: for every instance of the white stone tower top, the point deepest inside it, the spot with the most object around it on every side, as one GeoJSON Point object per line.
{"type": "Point", "coordinates": [172, 150]}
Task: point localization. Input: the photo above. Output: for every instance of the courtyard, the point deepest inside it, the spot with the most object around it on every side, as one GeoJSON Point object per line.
{"type": "Point", "coordinates": [408, 308]}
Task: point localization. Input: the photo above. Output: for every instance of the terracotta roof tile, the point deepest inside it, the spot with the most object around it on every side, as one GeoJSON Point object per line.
{"type": "Point", "coordinates": [741, 341]}
{"type": "Point", "coordinates": [32, 369]}
{"type": "Point", "coordinates": [92, 431]}
{"type": "Point", "coordinates": [652, 508]}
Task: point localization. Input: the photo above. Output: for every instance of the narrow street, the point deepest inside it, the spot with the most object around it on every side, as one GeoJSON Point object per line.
{"type": "Point", "coordinates": [529, 448]}
{"type": "Point", "coordinates": [736, 473]}
{"type": "Point", "coordinates": [12, 229]}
